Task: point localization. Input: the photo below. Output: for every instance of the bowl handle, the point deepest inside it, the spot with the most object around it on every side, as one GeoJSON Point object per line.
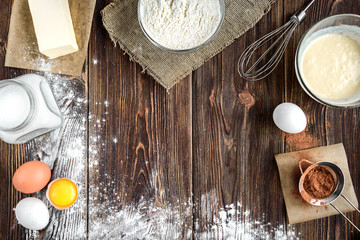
{"type": "Point", "coordinates": [303, 161]}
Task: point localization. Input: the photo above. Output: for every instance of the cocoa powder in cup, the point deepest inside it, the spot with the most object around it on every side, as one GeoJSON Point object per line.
{"type": "Point", "coordinates": [319, 183]}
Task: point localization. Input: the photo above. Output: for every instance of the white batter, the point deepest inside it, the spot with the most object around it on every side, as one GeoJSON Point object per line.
{"type": "Point", "coordinates": [330, 65]}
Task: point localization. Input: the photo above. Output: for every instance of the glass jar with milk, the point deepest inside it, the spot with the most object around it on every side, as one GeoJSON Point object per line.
{"type": "Point", "coordinates": [27, 109]}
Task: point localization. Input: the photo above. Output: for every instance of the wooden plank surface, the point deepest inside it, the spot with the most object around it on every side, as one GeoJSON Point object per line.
{"type": "Point", "coordinates": [195, 163]}
{"type": "Point", "coordinates": [140, 176]}
{"type": "Point", "coordinates": [234, 144]}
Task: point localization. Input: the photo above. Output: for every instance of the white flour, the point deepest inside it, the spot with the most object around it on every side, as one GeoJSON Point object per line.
{"type": "Point", "coordinates": [180, 24]}
{"type": "Point", "coordinates": [145, 220]}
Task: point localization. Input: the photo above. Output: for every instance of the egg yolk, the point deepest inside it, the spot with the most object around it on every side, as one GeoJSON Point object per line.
{"type": "Point", "coordinates": [63, 193]}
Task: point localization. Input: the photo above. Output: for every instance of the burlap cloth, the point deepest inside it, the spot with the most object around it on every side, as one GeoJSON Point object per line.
{"type": "Point", "coordinates": [121, 21]}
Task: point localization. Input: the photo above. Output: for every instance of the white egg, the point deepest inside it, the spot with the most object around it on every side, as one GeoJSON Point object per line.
{"type": "Point", "coordinates": [32, 213]}
{"type": "Point", "coordinates": [289, 118]}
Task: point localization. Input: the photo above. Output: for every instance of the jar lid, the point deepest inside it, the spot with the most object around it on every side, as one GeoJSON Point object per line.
{"type": "Point", "coordinates": [15, 105]}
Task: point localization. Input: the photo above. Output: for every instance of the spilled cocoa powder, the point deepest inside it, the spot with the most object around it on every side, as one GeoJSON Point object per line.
{"type": "Point", "coordinates": [319, 183]}
{"type": "Point", "coordinates": [301, 140]}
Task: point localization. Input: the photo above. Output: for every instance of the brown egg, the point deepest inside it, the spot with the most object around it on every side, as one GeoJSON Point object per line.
{"type": "Point", "coordinates": [31, 177]}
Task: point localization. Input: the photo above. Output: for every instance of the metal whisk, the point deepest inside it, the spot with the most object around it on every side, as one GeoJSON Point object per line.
{"type": "Point", "coordinates": [281, 38]}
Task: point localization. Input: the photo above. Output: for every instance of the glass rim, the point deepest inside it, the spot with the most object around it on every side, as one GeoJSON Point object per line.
{"type": "Point", "coordinates": [32, 100]}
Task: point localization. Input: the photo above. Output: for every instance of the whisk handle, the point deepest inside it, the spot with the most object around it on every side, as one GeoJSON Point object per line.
{"type": "Point", "coordinates": [309, 4]}
{"type": "Point", "coordinates": [300, 15]}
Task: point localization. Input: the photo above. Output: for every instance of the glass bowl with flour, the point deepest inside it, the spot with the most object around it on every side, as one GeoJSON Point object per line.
{"type": "Point", "coordinates": [180, 25]}
{"type": "Point", "coordinates": [327, 61]}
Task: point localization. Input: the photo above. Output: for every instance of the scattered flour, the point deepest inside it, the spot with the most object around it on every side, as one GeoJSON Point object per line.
{"type": "Point", "coordinates": [43, 64]}
{"type": "Point", "coordinates": [108, 219]}
{"type": "Point", "coordinates": [234, 222]}
{"type": "Point", "coordinates": [146, 220]}
{"type": "Point", "coordinates": [180, 24]}
{"type": "Point", "coordinates": [143, 220]}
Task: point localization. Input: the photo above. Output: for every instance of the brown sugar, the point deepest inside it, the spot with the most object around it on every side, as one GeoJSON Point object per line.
{"type": "Point", "coordinates": [319, 183]}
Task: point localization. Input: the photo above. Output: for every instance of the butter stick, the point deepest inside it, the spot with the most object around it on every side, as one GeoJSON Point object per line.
{"type": "Point", "coordinates": [53, 27]}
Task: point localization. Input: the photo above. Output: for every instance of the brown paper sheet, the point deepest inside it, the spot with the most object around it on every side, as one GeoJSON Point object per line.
{"type": "Point", "coordinates": [22, 49]}
{"type": "Point", "coordinates": [297, 209]}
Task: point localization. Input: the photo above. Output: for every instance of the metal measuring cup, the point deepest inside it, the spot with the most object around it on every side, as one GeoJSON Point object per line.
{"type": "Point", "coordinates": [340, 183]}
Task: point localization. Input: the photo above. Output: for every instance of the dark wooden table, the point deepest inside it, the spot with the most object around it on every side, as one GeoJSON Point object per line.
{"type": "Point", "coordinates": [195, 163]}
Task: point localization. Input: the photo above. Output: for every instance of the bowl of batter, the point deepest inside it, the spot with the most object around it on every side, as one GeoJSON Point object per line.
{"type": "Point", "coordinates": [180, 26]}
{"type": "Point", "coordinates": [327, 61]}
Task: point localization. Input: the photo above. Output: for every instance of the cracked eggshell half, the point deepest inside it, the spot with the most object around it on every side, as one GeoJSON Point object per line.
{"type": "Point", "coordinates": [62, 193]}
